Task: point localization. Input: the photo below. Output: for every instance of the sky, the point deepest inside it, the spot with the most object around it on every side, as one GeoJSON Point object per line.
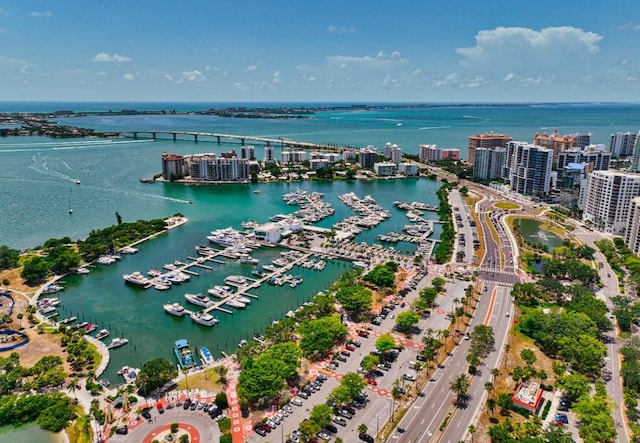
{"type": "Point", "coordinates": [417, 51]}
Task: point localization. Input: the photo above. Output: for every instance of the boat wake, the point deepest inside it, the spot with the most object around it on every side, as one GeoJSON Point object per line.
{"type": "Point", "coordinates": [425, 128]}
{"type": "Point", "coordinates": [64, 146]}
{"type": "Point", "coordinates": [476, 117]}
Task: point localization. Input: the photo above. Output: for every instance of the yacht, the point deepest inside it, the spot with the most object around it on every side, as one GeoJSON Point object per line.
{"type": "Point", "coordinates": [102, 333]}
{"type": "Point", "coordinates": [248, 260]}
{"type": "Point", "coordinates": [90, 328]}
{"type": "Point", "coordinates": [256, 191]}
{"type": "Point", "coordinates": [245, 300]}
{"type": "Point", "coordinates": [269, 268]}
{"type": "Point", "coordinates": [117, 342]}
{"type": "Point", "coordinates": [81, 270]}
{"type": "Point", "coordinates": [205, 250]}
{"type": "Point", "coordinates": [204, 318]}
{"type": "Point", "coordinates": [235, 280]}
{"type": "Point", "coordinates": [53, 301]}
{"type": "Point", "coordinates": [105, 260]}
{"type": "Point", "coordinates": [68, 320]}
{"type": "Point", "coordinates": [235, 304]}
{"type": "Point", "coordinates": [178, 277]}
{"type": "Point", "coordinates": [198, 299]}
{"type": "Point", "coordinates": [127, 250]}
{"type": "Point", "coordinates": [174, 309]}
{"type": "Point", "coordinates": [137, 279]}
{"type": "Point", "coordinates": [154, 272]}
{"type": "Point", "coordinates": [217, 293]}
{"type": "Point", "coordinates": [77, 181]}
{"type": "Point", "coordinates": [51, 289]}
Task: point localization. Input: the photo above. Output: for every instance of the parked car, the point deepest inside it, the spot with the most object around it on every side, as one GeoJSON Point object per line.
{"type": "Point", "coordinates": [342, 358]}
{"type": "Point", "coordinates": [186, 404]}
{"type": "Point", "coordinates": [349, 408]}
{"type": "Point", "coordinates": [331, 428]}
{"type": "Point", "coordinates": [146, 414]}
{"type": "Point", "coordinates": [296, 401]}
{"type": "Point", "coordinates": [409, 377]}
{"type": "Point", "coordinates": [561, 419]}
{"type": "Point", "coordinates": [350, 348]}
{"type": "Point", "coordinates": [339, 420]}
{"type": "Point", "coordinates": [421, 357]}
{"type": "Point", "coordinates": [260, 431]}
{"type": "Point", "coordinates": [122, 430]}
{"type": "Point", "coordinates": [345, 414]}
{"type": "Point", "coordinates": [324, 436]}
{"type": "Point", "coordinates": [367, 438]}
{"type": "Point", "coordinates": [362, 333]}
{"type": "Point", "coordinates": [372, 382]}
{"type": "Point", "coordinates": [303, 394]}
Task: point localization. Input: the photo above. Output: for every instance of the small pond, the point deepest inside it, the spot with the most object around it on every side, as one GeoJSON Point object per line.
{"type": "Point", "coordinates": [531, 231]}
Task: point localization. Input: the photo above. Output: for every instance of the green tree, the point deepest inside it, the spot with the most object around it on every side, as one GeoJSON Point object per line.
{"type": "Point", "coordinates": [321, 414]}
{"type": "Point", "coordinates": [35, 269]}
{"type": "Point", "coordinates": [575, 385]}
{"type": "Point", "coordinates": [309, 429]}
{"type": "Point", "coordinates": [362, 428]}
{"type": "Point", "coordinates": [406, 320]}
{"type": "Point", "coordinates": [8, 257]}
{"type": "Point", "coordinates": [438, 283]}
{"type": "Point", "coordinates": [319, 336]}
{"type": "Point", "coordinates": [381, 276]}
{"type": "Point", "coordinates": [353, 383]}
{"type": "Point", "coordinates": [529, 356]}
{"type": "Point", "coordinates": [355, 299]}
{"type": "Point", "coordinates": [460, 386]}
{"type": "Point", "coordinates": [369, 362]}
{"type": "Point", "coordinates": [426, 297]}
{"type": "Point", "coordinates": [154, 374]}
{"type": "Point", "coordinates": [385, 343]}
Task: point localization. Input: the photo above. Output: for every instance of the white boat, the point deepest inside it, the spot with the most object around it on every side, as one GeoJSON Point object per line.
{"type": "Point", "coordinates": [102, 333]}
{"type": "Point", "coordinates": [52, 289]}
{"type": "Point", "coordinates": [235, 280]}
{"type": "Point", "coordinates": [128, 250]}
{"type": "Point", "coordinates": [248, 260]}
{"type": "Point", "coordinates": [204, 318]}
{"type": "Point", "coordinates": [174, 309]}
{"type": "Point", "coordinates": [217, 293]}
{"type": "Point", "coordinates": [256, 191]}
{"type": "Point", "coordinates": [52, 301]}
{"type": "Point", "coordinates": [206, 356]}
{"type": "Point", "coordinates": [234, 303]}
{"type": "Point", "coordinates": [178, 277]}
{"type": "Point", "coordinates": [269, 268]}
{"type": "Point", "coordinates": [117, 342]}
{"type": "Point", "coordinates": [242, 343]}
{"type": "Point", "coordinates": [81, 271]}
{"type": "Point", "coordinates": [137, 279]}
{"type": "Point", "coordinates": [198, 299]}
{"type": "Point", "coordinates": [154, 272]}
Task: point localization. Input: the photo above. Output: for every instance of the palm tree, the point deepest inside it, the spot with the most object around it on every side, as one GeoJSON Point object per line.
{"type": "Point", "coordinates": [472, 430]}
{"type": "Point", "coordinates": [459, 386]}
{"type": "Point", "coordinates": [491, 404]}
{"type": "Point", "coordinates": [488, 386]}
{"type": "Point", "coordinates": [495, 373]}
{"type": "Point", "coordinates": [507, 348]}
{"type": "Point", "coordinates": [72, 386]}
{"type": "Point", "coordinates": [362, 428]}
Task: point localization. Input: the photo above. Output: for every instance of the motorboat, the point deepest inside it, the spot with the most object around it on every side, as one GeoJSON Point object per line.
{"type": "Point", "coordinates": [234, 303]}
{"type": "Point", "coordinates": [117, 342]}
{"type": "Point", "coordinates": [128, 250]}
{"type": "Point", "coordinates": [154, 272]}
{"type": "Point", "coordinates": [198, 299]}
{"type": "Point", "coordinates": [81, 270]}
{"type": "Point", "coordinates": [137, 279]}
{"type": "Point", "coordinates": [183, 353]}
{"type": "Point", "coordinates": [102, 333]}
{"type": "Point", "coordinates": [90, 328]}
{"type": "Point", "coordinates": [204, 318]}
{"type": "Point", "coordinates": [52, 301]}
{"type": "Point", "coordinates": [258, 337]}
{"type": "Point", "coordinates": [105, 260]}
{"type": "Point", "coordinates": [52, 289]}
{"type": "Point", "coordinates": [248, 260]}
{"type": "Point", "coordinates": [205, 355]}
{"type": "Point", "coordinates": [68, 320]}
{"type": "Point", "coordinates": [235, 280]}
{"type": "Point", "coordinates": [245, 300]}
{"type": "Point", "coordinates": [174, 309]}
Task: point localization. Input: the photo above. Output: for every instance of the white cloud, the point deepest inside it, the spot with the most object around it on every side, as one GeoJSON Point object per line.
{"type": "Point", "coordinates": [110, 58]}
{"type": "Point", "coordinates": [525, 47]}
{"type": "Point", "coordinates": [630, 27]}
{"type": "Point", "coordinates": [507, 78]}
{"type": "Point", "coordinates": [239, 86]}
{"type": "Point", "coordinates": [341, 29]}
{"type": "Point", "coordinates": [194, 76]}
{"type": "Point", "coordinates": [41, 14]}
{"type": "Point", "coordinates": [381, 60]}
{"type": "Point", "coordinates": [17, 66]}
{"type": "Point", "coordinates": [454, 80]}
{"type": "Point", "coordinates": [102, 73]}
{"type": "Point", "coordinates": [276, 77]}
{"type": "Point", "coordinates": [129, 76]}
{"type": "Point", "coordinates": [250, 68]}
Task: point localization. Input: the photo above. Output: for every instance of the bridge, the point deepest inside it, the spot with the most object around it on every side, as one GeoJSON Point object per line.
{"type": "Point", "coordinates": [232, 138]}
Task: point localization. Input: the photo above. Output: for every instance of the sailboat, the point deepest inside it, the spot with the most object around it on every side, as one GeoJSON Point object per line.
{"type": "Point", "coordinates": [70, 210]}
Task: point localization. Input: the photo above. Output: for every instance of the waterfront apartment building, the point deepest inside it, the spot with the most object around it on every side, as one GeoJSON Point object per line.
{"type": "Point", "coordinates": [293, 156]}
{"type": "Point", "coordinates": [173, 166]}
{"type": "Point", "coordinates": [431, 153]}
{"type": "Point", "coordinates": [269, 154]}
{"type": "Point", "coordinates": [385, 169]}
{"type": "Point", "coordinates": [632, 234]}
{"type": "Point", "coordinates": [248, 152]}
{"type": "Point", "coordinates": [209, 167]}
{"type": "Point", "coordinates": [488, 163]}
{"type": "Point", "coordinates": [555, 142]}
{"type": "Point", "coordinates": [621, 144]}
{"type": "Point", "coordinates": [367, 158]}
{"type": "Point", "coordinates": [318, 163]}
{"type": "Point", "coordinates": [606, 200]}
{"type": "Point", "coordinates": [528, 168]}
{"type": "Point", "coordinates": [408, 169]}
{"type": "Point", "coordinates": [594, 154]}
{"type": "Point", "coordinates": [396, 155]}
{"type": "Point", "coordinates": [489, 140]}
{"type": "Point", "coordinates": [635, 157]}
{"type": "Point", "coordinates": [582, 140]}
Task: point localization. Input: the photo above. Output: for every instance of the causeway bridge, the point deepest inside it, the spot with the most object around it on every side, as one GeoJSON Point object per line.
{"type": "Point", "coordinates": [230, 138]}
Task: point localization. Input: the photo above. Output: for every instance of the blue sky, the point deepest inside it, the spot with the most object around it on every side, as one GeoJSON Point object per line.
{"type": "Point", "coordinates": [309, 51]}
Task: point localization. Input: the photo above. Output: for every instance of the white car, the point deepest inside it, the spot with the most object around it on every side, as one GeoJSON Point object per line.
{"type": "Point", "coordinates": [296, 401]}
{"type": "Point", "coordinates": [409, 377]}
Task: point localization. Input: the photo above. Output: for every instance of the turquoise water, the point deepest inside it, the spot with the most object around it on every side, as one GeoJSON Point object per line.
{"type": "Point", "coordinates": [37, 179]}
{"type": "Point", "coordinates": [30, 433]}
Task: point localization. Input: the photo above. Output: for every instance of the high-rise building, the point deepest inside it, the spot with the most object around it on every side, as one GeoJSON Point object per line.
{"type": "Point", "coordinates": [582, 140]}
{"type": "Point", "coordinates": [632, 234]}
{"type": "Point", "coordinates": [622, 143]}
{"type": "Point", "coordinates": [269, 154]}
{"type": "Point", "coordinates": [607, 199]}
{"type": "Point", "coordinates": [594, 154]}
{"type": "Point", "coordinates": [385, 169]}
{"type": "Point", "coordinates": [555, 142]}
{"type": "Point", "coordinates": [428, 153]}
{"type": "Point", "coordinates": [490, 140]}
{"type": "Point", "coordinates": [529, 168]}
{"type": "Point", "coordinates": [367, 158]}
{"type": "Point", "coordinates": [396, 155]}
{"type": "Point", "coordinates": [248, 152]}
{"type": "Point", "coordinates": [173, 166]}
{"type": "Point", "coordinates": [488, 163]}
{"type": "Point", "coordinates": [635, 158]}
{"type": "Point", "coordinates": [209, 167]}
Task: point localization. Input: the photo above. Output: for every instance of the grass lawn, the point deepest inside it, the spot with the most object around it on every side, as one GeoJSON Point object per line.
{"type": "Point", "coordinates": [506, 205]}
{"type": "Point", "coordinates": [208, 380]}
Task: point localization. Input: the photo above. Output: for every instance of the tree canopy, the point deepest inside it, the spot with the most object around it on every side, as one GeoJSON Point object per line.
{"type": "Point", "coordinates": [319, 336]}
{"type": "Point", "coordinates": [155, 374]}
{"type": "Point", "coordinates": [355, 299]}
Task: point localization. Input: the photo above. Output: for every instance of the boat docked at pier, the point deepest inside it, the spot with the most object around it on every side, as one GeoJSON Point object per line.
{"type": "Point", "coordinates": [174, 309]}
{"type": "Point", "coordinates": [102, 333]}
{"type": "Point", "coordinates": [235, 280]}
{"type": "Point", "coordinates": [137, 279]}
{"type": "Point", "coordinates": [117, 342]}
{"type": "Point", "coordinates": [206, 356]}
{"type": "Point", "coordinates": [52, 289]}
{"type": "Point", "coordinates": [234, 303]}
{"type": "Point", "coordinates": [198, 299]}
{"type": "Point", "coordinates": [248, 260]}
{"type": "Point", "coordinates": [184, 354]}
{"type": "Point", "coordinates": [204, 318]}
